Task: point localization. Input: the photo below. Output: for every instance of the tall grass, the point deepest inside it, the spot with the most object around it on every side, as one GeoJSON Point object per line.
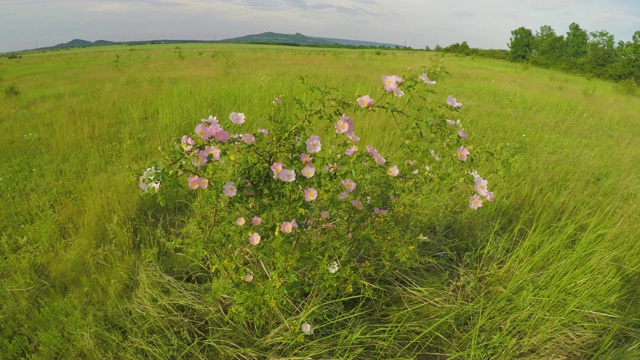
{"type": "Point", "coordinates": [548, 271]}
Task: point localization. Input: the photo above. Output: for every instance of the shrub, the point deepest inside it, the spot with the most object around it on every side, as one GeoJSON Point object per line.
{"type": "Point", "coordinates": [628, 87]}
{"type": "Point", "coordinates": [11, 90]}
{"type": "Point", "coordinates": [282, 215]}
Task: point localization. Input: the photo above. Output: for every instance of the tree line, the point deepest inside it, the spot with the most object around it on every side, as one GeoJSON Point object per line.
{"type": "Point", "coordinates": [594, 53]}
{"type": "Point", "coordinates": [464, 49]}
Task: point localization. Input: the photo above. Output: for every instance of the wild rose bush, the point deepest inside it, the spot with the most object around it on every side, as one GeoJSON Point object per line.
{"type": "Point", "coordinates": [304, 207]}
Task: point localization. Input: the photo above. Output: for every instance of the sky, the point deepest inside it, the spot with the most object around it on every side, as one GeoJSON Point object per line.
{"type": "Point", "coordinates": [482, 23]}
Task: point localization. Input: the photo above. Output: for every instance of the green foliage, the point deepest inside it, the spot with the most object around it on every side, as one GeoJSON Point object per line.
{"type": "Point", "coordinates": [520, 44]}
{"type": "Point", "coordinates": [628, 87]}
{"type": "Point", "coordinates": [594, 54]}
{"type": "Point", "coordinates": [577, 43]}
{"type": "Point", "coordinates": [465, 49]}
{"type": "Point", "coordinates": [346, 242]}
{"type": "Point", "coordinates": [11, 91]}
{"type": "Point", "coordinates": [548, 48]}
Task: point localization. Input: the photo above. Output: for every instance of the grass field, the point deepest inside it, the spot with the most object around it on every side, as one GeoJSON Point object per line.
{"type": "Point", "coordinates": [550, 270]}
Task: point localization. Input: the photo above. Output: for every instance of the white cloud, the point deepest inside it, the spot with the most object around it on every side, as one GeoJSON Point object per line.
{"type": "Point", "coordinates": [485, 24]}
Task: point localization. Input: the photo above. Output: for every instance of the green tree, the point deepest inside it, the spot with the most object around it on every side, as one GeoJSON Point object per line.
{"type": "Point", "coordinates": [634, 58]}
{"type": "Point", "coordinates": [548, 48]}
{"type": "Point", "coordinates": [576, 46]}
{"type": "Point", "coordinates": [520, 44]}
{"type": "Point", "coordinates": [601, 53]}
{"type": "Point", "coordinates": [627, 60]}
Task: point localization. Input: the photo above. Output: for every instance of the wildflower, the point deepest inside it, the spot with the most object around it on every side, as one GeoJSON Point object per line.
{"type": "Point", "coordinates": [380, 211]}
{"type": "Point", "coordinates": [187, 143]}
{"type": "Point", "coordinates": [379, 159]}
{"type": "Point", "coordinates": [343, 196]}
{"type": "Point", "coordinates": [352, 136]}
{"type": "Point", "coordinates": [307, 328]}
{"type": "Point", "coordinates": [350, 151]}
{"type": "Point", "coordinates": [240, 221]}
{"type": "Point", "coordinates": [254, 239]}
{"type": "Point", "coordinates": [286, 227]}
{"type": "Point", "coordinates": [248, 139]}
{"type": "Point", "coordinates": [308, 171]}
{"type": "Point", "coordinates": [475, 202]}
{"type": "Point", "coordinates": [230, 189]}
{"type": "Point", "coordinates": [427, 168]}
{"type": "Point", "coordinates": [306, 158]}
{"type": "Point", "coordinates": [221, 136]}
{"type": "Point", "coordinates": [237, 118]}
{"type": "Point", "coordinates": [203, 131]}
{"type": "Point", "coordinates": [276, 168]}
{"type": "Point", "coordinates": [474, 173]}
{"type": "Point", "coordinates": [415, 172]}
{"type": "Point", "coordinates": [248, 278]}
{"type": "Point", "coordinates": [451, 101]}
{"type": "Point", "coordinates": [453, 123]}
{"type": "Point", "coordinates": [393, 171]}
{"type": "Point", "coordinates": [371, 150]}
{"type": "Point", "coordinates": [195, 182]}
{"type": "Point", "coordinates": [310, 194]}
{"type": "Point", "coordinates": [287, 175]}
{"type": "Point", "coordinates": [199, 158]}
{"type": "Point", "coordinates": [391, 82]}
{"type": "Point", "coordinates": [365, 101]}
{"type": "Point", "coordinates": [426, 80]}
{"type": "Point", "coordinates": [264, 132]}
{"type": "Point", "coordinates": [490, 197]}
{"type": "Point", "coordinates": [462, 134]}
{"type": "Point", "coordinates": [313, 144]}
{"type": "Point", "coordinates": [357, 204]}
{"type": "Point", "coordinates": [333, 267]}
{"type": "Point", "coordinates": [212, 150]}
{"type": "Point", "coordinates": [277, 101]}
{"type": "Point", "coordinates": [324, 214]}
{"type": "Point", "coordinates": [435, 156]}
{"type": "Point", "coordinates": [349, 185]}
{"type": "Point", "coordinates": [342, 126]}
{"type": "Point", "coordinates": [256, 221]}
{"type": "Point", "coordinates": [147, 175]}
{"type": "Point", "coordinates": [397, 92]}
{"type": "Point", "coordinates": [462, 153]}
{"type": "Point", "coordinates": [210, 120]}
{"type": "Point", "coordinates": [480, 186]}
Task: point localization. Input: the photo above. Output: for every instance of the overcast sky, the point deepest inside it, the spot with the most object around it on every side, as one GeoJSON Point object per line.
{"type": "Point", "coordinates": [416, 23]}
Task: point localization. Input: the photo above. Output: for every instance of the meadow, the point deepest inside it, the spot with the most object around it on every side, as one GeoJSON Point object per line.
{"type": "Point", "coordinates": [91, 269]}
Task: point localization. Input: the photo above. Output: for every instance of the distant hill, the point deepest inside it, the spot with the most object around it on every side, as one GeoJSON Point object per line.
{"type": "Point", "coordinates": [296, 39]}
{"type": "Point", "coordinates": [301, 40]}
{"type": "Point", "coordinates": [80, 43]}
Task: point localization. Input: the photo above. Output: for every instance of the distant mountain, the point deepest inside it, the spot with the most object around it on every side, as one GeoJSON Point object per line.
{"type": "Point", "coordinates": [105, 42]}
{"type": "Point", "coordinates": [301, 40]}
{"type": "Point", "coordinates": [80, 43]}
{"type": "Point", "coordinates": [296, 39]}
